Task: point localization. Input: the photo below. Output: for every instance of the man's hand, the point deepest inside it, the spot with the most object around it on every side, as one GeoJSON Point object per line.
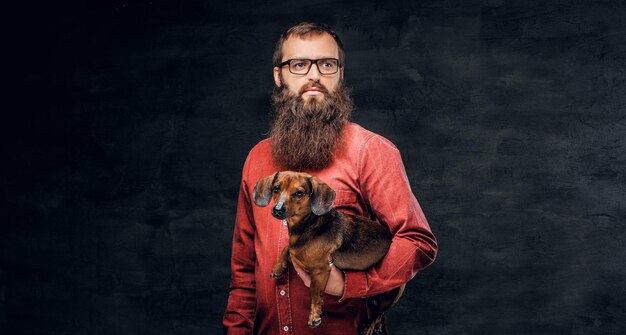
{"type": "Point", "coordinates": [336, 281]}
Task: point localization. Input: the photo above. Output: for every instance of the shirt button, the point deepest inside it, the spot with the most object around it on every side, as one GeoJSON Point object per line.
{"type": "Point", "coordinates": [282, 292]}
{"type": "Point", "coordinates": [286, 328]}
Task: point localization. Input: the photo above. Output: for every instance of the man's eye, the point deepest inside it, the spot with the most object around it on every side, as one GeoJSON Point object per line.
{"type": "Point", "coordinates": [328, 63]}
{"type": "Point", "coordinates": [297, 64]}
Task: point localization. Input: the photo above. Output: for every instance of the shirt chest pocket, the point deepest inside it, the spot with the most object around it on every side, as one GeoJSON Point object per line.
{"type": "Point", "coordinates": [345, 201]}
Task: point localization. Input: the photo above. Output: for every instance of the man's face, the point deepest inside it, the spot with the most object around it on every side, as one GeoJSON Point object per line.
{"type": "Point", "coordinates": [315, 46]}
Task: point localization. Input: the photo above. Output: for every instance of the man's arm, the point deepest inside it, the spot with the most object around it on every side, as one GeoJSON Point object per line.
{"type": "Point", "coordinates": [239, 314]}
{"type": "Point", "coordinates": [385, 186]}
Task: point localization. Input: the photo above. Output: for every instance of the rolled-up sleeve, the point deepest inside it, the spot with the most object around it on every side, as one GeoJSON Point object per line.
{"type": "Point", "coordinates": [385, 186]}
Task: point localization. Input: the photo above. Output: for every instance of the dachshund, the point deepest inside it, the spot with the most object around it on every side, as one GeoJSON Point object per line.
{"type": "Point", "coordinates": [319, 233]}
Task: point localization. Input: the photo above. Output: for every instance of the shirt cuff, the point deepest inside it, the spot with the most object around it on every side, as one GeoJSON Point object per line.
{"type": "Point", "coordinates": [355, 285]}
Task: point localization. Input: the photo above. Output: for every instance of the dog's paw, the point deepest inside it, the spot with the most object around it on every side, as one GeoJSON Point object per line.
{"type": "Point", "coordinates": [314, 322]}
{"type": "Point", "coordinates": [275, 276]}
{"type": "Point", "coordinates": [277, 273]}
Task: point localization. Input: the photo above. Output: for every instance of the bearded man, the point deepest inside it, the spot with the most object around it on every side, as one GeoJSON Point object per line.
{"type": "Point", "coordinates": [311, 133]}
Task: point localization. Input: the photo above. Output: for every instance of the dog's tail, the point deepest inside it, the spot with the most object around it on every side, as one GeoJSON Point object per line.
{"type": "Point", "coordinates": [378, 305]}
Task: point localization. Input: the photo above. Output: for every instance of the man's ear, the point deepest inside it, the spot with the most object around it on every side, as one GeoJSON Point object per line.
{"type": "Point", "coordinates": [322, 197]}
{"type": "Point", "coordinates": [277, 80]}
{"type": "Point", "coordinates": [263, 190]}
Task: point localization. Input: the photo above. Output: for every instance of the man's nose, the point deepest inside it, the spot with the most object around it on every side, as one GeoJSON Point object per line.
{"type": "Point", "coordinates": [314, 73]}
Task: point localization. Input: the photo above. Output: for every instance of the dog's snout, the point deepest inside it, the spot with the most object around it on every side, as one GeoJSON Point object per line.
{"type": "Point", "coordinates": [278, 212]}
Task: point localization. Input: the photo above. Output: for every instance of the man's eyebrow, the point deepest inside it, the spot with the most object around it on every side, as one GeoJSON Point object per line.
{"type": "Point", "coordinates": [321, 57]}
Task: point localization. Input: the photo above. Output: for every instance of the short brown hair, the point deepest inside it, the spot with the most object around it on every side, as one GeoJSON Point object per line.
{"type": "Point", "coordinates": [305, 29]}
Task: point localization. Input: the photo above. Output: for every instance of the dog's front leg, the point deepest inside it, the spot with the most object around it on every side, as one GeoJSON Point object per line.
{"type": "Point", "coordinates": [281, 265]}
{"type": "Point", "coordinates": [319, 279]}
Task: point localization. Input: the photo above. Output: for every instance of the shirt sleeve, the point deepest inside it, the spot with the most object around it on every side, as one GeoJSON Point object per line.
{"type": "Point", "coordinates": [385, 186]}
{"type": "Point", "coordinates": [239, 313]}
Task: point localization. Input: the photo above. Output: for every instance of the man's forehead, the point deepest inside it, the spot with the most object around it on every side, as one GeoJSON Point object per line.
{"type": "Point", "coordinates": [312, 45]}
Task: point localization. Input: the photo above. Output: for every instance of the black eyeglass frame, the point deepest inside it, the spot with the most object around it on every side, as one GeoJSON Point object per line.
{"type": "Point", "coordinates": [313, 61]}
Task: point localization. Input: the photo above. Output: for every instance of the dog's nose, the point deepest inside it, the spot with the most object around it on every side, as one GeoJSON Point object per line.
{"type": "Point", "coordinates": [278, 212]}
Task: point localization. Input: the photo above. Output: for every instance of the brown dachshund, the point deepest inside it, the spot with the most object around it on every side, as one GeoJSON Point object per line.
{"type": "Point", "coordinates": [318, 233]}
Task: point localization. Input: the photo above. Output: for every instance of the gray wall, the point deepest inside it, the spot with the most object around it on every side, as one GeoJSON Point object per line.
{"type": "Point", "coordinates": [123, 152]}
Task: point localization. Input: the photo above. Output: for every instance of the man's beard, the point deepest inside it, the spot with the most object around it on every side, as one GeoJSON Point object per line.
{"type": "Point", "coordinates": [304, 134]}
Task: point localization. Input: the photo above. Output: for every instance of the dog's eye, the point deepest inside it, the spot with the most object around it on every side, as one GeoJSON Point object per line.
{"type": "Point", "coordinates": [298, 194]}
{"type": "Point", "coordinates": [276, 189]}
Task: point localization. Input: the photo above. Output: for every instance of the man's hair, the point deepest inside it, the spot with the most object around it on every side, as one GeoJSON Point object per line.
{"type": "Point", "coordinates": [302, 30]}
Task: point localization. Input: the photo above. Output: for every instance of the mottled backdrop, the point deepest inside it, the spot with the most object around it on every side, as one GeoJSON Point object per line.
{"type": "Point", "coordinates": [130, 121]}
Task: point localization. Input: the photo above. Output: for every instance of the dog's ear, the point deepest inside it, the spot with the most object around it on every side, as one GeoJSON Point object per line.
{"type": "Point", "coordinates": [263, 190]}
{"type": "Point", "coordinates": [322, 196]}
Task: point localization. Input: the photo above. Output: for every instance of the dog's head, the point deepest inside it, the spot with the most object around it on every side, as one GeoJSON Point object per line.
{"type": "Point", "coordinates": [294, 194]}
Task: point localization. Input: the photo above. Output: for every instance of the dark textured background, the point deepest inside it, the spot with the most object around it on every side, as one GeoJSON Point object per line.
{"type": "Point", "coordinates": [132, 119]}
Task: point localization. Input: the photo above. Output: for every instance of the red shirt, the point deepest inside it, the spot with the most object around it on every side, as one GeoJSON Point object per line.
{"type": "Point", "coordinates": [369, 179]}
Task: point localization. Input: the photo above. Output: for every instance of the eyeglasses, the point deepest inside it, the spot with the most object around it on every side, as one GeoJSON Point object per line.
{"type": "Point", "coordinates": [302, 66]}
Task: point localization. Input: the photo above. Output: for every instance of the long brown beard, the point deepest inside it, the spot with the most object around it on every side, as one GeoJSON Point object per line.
{"type": "Point", "coordinates": [305, 134]}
